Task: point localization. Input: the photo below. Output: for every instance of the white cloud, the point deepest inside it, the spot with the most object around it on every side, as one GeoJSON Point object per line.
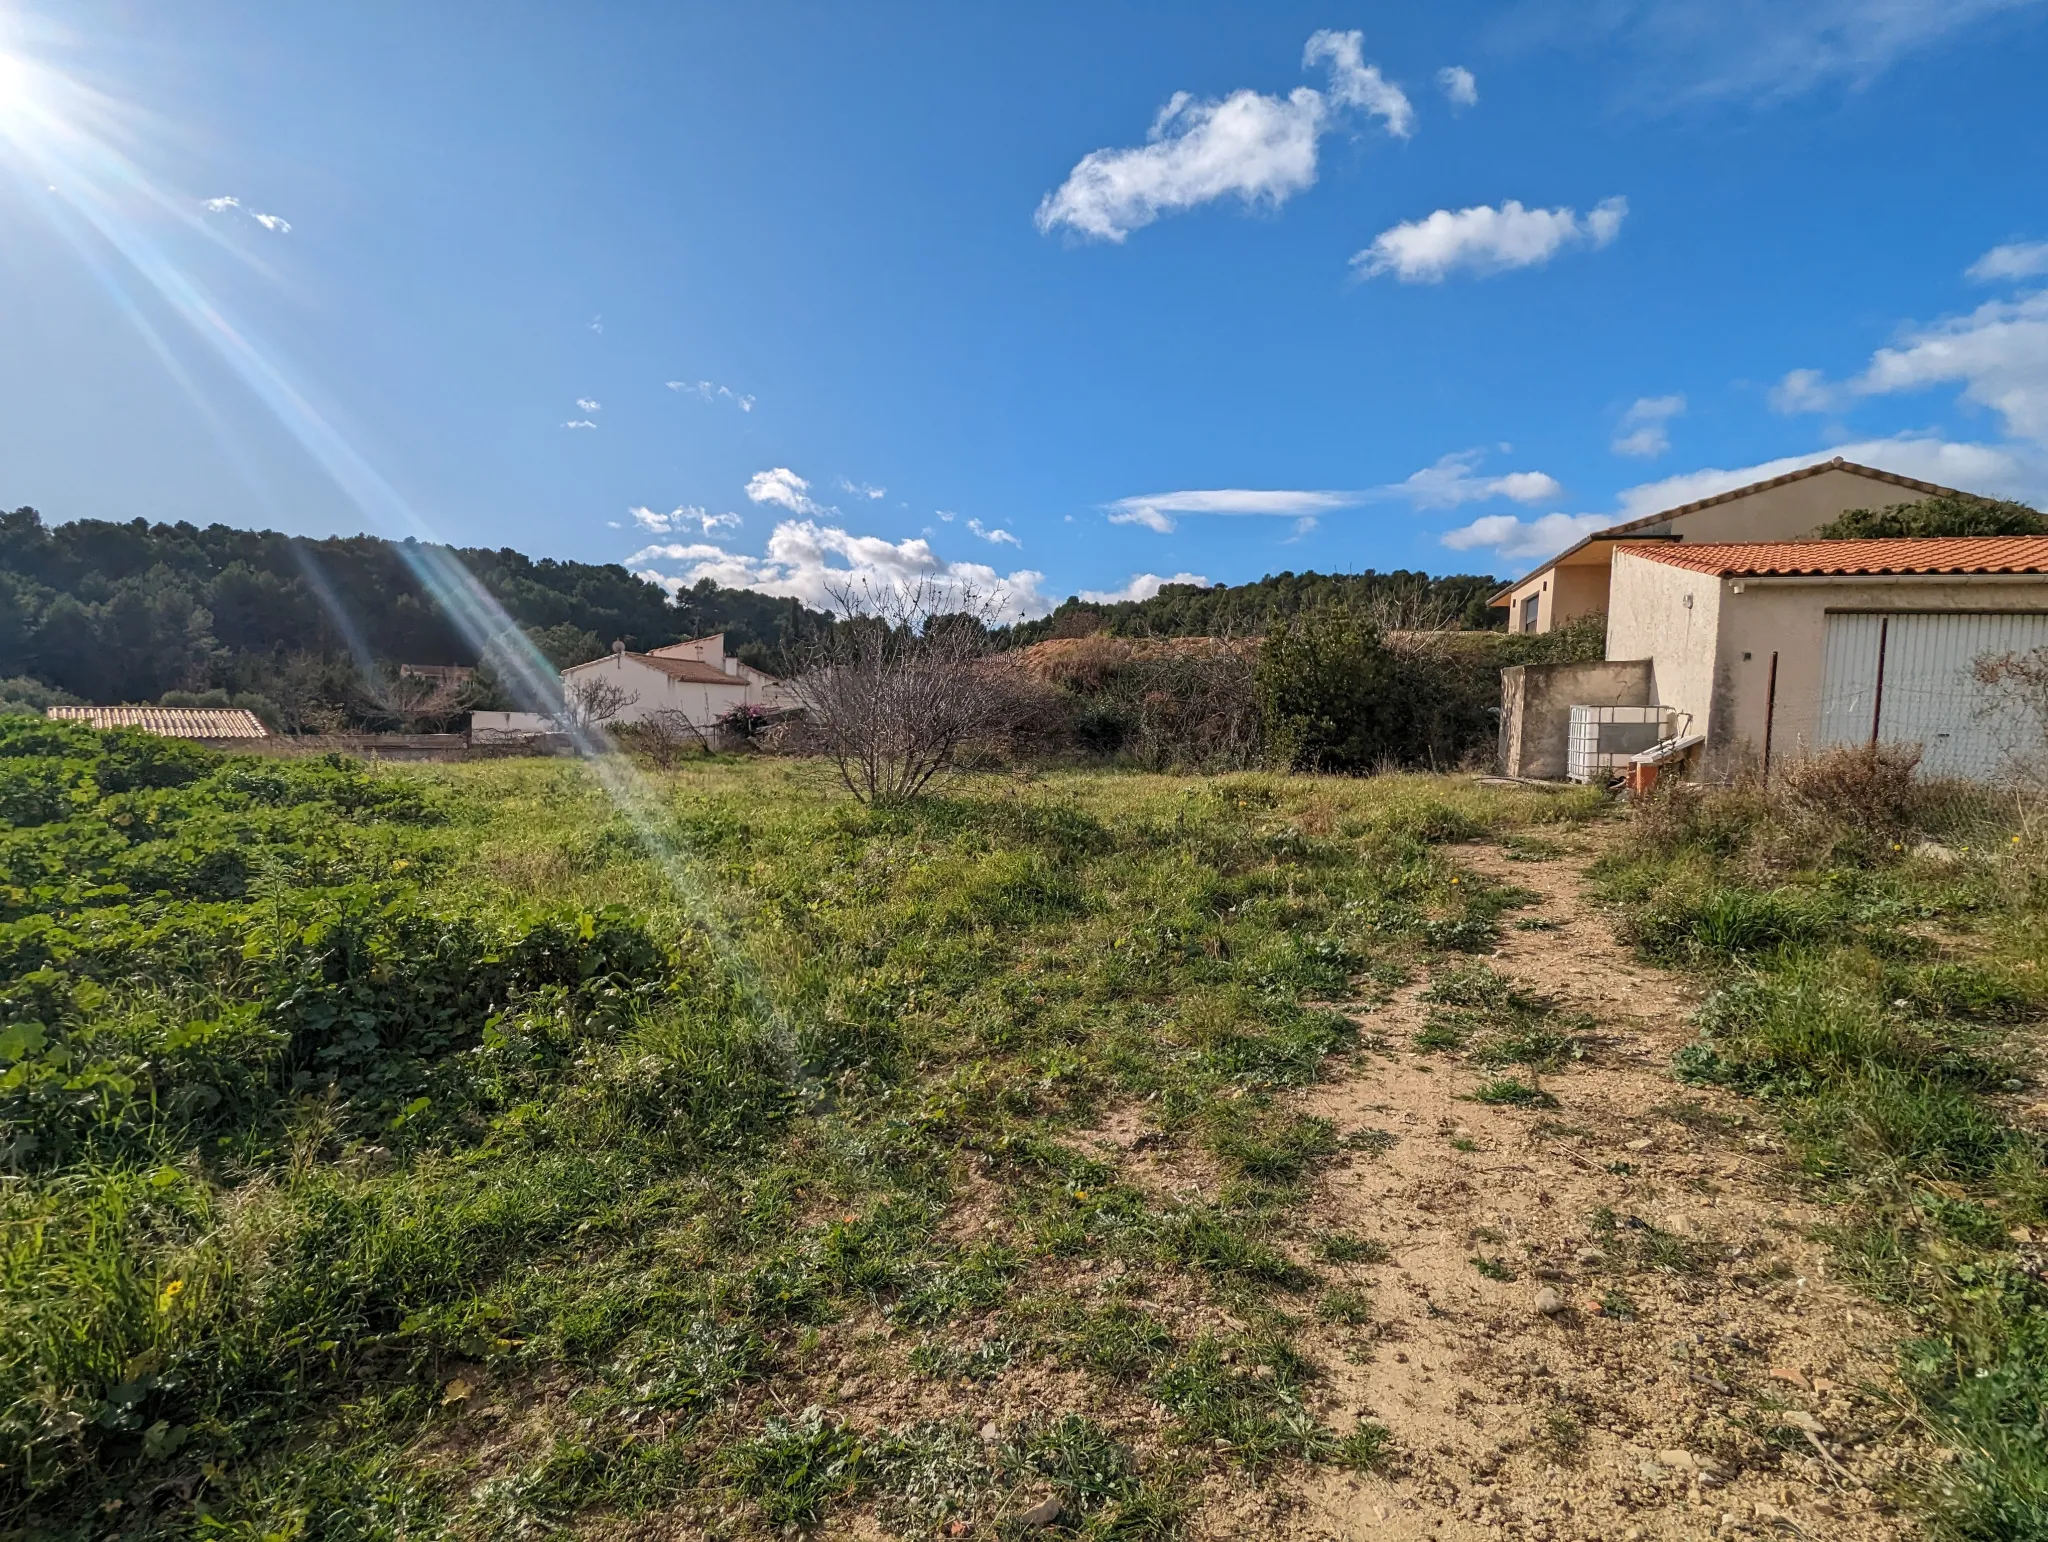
{"type": "Point", "coordinates": [1139, 513]}
{"type": "Point", "coordinates": [811, 561]}
{"type": "Point", "coordinates": [711, 391]}
{"type": "Point", "coordinates": [862, 489]}
{"type": "Point", "coordinates": [2018, 259]}
{"type": "Point", "coordinates": [588, 405]}
{"type": "Point", "coordinates": [1525, 539]}
{"type": "Point", "coordinates": [1141, 587]}
{"type": "Point", "coordinates": [1354, 83]}
{"type": "Point", "coordinates": [677, 551]}
{"type": "Point", "coordinates": [1646, 426]}
{"type": "Point", "coordinates": [579, 423]}
{"type": "Point", "coordinates": [1483, 239]}
{"type": "Point", "coordinates": [277, 224]}
{"type": "Point", "coordinates": [1668, 53]}
{"type": "Point", "coordinates": [1452, 480]}
{"type": "Point", "coordinates": [681, 519]}
{"type": "Point", "coordinates": [1804, 390]}
{"type": "Point", "coordinates": [994, 537]}
{"type": "Point", "coordinates": [1998, 354]}
{"type": "Point", "coordinates": [1154, 510]}
{"type": "Point", "coordinates": [1458, 85]}
{"type": "Point", "coordinates": [1260, 149]}
{"type": "Point", "coordinates": [597, 322]}
{"type": "Point", "coordinates": [783, 486]}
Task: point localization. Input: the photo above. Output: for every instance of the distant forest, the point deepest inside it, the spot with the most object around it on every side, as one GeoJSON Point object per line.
{"type": "Point", "coordinates": [103, 612]}
{"type": "Point", "coordinates": [99, 611]}
{"type": "Point", "coordinates": [1400, 598]}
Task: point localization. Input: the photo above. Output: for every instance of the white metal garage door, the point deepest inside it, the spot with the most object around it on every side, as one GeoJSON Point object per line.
{"type": "Point", "coordinates": [1910, 678]}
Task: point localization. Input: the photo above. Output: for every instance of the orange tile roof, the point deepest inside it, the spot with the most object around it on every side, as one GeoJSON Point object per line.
{"type": "Point", "coordinates": [170, 722]}
{"type": "Point", "coordinates": [1965, 555]}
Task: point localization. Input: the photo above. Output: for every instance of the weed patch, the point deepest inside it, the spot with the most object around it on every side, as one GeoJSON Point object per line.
{"type": "Point", "coordinates": [1841, 1004]}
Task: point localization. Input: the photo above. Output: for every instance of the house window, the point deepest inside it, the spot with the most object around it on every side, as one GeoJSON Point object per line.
{"type": "Point", "coordinates": [1529, 609]}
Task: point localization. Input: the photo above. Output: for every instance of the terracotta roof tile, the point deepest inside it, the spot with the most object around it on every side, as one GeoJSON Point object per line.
{"type": "Point", "coordinates": [170, 722]}
{"type": "Point", "coordinates": [1760, 559]}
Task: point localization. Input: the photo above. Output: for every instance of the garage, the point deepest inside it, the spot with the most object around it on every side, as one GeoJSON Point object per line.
{"type": "Point", "coordinates": [1909, 677]}
{"type": "Point", "coordinates": [1774, 651]}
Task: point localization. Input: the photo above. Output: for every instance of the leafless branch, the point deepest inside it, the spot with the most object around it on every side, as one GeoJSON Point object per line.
{"type": "Point", "coordinates": [594, 701]}
{"type": "Point", "coordinates": [905, 686]}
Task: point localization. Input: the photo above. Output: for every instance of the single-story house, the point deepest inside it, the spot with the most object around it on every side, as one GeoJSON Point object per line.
{"type": "Point", "coordinates": [696, 678]}
{"type": "Point", "coordinates": [1786, 508]}
{"type": "Point", "coordinates": [1772, 650]}
{"type": "Point", "coordinates": [208, 725]}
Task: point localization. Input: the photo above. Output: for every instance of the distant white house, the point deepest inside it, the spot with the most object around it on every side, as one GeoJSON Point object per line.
{"type": "Point", "coordinates": [697, 679]}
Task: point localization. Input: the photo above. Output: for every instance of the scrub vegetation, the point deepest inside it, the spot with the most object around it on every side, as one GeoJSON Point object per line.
{"type": "Point", "coordinates": [1878, 950]}
{"type": "Point", "coordinates": [430, 1151]}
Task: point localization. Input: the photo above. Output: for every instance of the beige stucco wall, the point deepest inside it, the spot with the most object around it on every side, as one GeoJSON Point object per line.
{"type": "Point", "coordinates": [1790, 619]}
{"type": "Point", "coordinates": [1714, 659]}
{"type": "Point", "coordinates": [1562, 593]}
{"type": "Point", "coordinates": [1788, 513]}
{"type": "Point", "coordinates": [1671, 617]}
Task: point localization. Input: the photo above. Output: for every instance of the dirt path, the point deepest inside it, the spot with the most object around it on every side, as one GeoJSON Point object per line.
{"type": "Point", "coordinates": [1700, 1336]}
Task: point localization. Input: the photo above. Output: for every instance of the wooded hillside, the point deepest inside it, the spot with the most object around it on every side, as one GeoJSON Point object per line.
{"type": "Point", "coordinates": [113, 612]}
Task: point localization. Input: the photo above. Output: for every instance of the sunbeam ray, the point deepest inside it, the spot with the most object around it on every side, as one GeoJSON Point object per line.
{"type": "Point", "coordinates": [49, 137]}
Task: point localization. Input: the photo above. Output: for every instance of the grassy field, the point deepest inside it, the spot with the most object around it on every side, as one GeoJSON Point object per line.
{"type": "Point", "coordinates": [437, 1151]}
{"type": "Point", "coordinates": [1879, 957]}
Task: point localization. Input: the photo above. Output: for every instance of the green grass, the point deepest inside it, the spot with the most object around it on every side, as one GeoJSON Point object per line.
{"type": "Point", "coordinates": [327, 1088]}
{"type": "Point", "coordinates": [1881, 1009]}
{"type": "Point", "coordinates": [1507, 1092]}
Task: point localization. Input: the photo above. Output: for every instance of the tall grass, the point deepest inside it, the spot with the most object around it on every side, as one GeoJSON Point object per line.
{"type": "Point", "coordinates": [1882, 991]}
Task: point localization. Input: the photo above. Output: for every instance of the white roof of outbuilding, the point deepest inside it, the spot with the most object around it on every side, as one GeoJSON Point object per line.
{"type": "Point", "coordinates": [170, 722]}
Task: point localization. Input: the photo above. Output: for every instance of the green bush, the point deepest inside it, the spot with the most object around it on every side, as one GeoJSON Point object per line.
{"type": "Point", "coordinates": [1944, 514]}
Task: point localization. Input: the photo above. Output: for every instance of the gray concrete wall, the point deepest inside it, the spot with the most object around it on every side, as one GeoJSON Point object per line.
{"type": "Point", "coordinates": [1536, 702]}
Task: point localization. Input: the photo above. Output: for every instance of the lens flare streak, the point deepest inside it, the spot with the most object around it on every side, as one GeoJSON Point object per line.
{"type": "Point", "coordinates": [49, 138]}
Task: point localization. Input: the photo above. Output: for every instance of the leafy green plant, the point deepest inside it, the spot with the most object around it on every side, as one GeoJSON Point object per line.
{"type": "Point", "coordinates": [1342, 1304]}
{"type": "Point", "coordinates": [1508, 1092]}
{"type": "Point", "coordinates": [796, 1469]}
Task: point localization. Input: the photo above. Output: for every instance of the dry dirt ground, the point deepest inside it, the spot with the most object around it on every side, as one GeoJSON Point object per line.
{"type": "Point", "coordinates": [1704, 1375]}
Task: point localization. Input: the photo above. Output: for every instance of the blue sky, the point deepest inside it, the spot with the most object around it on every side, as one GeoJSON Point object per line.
{"type": "Point", "coordinates": [1065, 297]}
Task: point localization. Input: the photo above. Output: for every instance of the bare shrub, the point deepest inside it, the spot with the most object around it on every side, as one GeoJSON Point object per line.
{"type": "Point", "coordinates": [2015, 706]}
{"type": "Point", "coordinates": [1180, 703]}
{"type": "Point", "coordinates": [904, 688]}
{"type": "Point", "coordinates": [664, 738]}
{"type": "Point", "coordinates": [411, 703]}
{"type": "Point", "coordinates": [594, 701]}
{"type": "Point", "coordinates": [1874, 786]}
